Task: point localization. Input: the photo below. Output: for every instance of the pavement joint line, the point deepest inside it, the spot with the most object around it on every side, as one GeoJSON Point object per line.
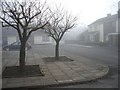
{"type": "Point", "coordinates": [70, 68]}
{"type": "Point", "coordinates": [50, 73]}
{"type": "Point", "coordinates": [62, 70]}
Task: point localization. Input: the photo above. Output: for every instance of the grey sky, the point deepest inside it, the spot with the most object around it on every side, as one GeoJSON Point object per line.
{"type": "Point", "coordinates": [88, 10]}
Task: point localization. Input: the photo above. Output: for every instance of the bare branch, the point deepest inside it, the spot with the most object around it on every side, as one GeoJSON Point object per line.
{"type": "Point", "coordinates": [59, 24]}
{"type": "Point", "coordinates": [26, 17]}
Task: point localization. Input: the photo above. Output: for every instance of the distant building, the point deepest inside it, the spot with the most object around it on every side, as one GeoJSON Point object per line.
{"type": "Point", "coordinates": [119, 17]}
{"type": "Point", "coordinates": [119, 24]}
{"type": "Point", "coordinates": [0, 34]}
{"type": "Point", "coordinates": [10, 35]}
{"type": "Point", "coordinates": [84, 36]}
{"type": "Point", "coordinates": [101, 28]}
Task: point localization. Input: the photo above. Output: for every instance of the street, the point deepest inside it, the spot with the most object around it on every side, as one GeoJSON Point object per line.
{"type": "Point", "coordinates": [108, 56]}
{"type": "Point", "coordinates": [104, 55]}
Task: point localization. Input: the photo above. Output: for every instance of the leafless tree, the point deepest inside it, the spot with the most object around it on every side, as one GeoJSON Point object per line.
{"type": "Point", "coordinates": [25, 17]}
{"type": "Point", "coordinates": [60, 23]}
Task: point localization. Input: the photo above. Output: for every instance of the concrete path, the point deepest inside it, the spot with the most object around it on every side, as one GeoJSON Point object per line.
{"type": "Point", "coordinates": [80, 70]}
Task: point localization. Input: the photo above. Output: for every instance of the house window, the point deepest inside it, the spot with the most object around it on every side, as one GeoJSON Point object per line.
{"type": "Point", "coordinates": [45, 38]}
{"type": "Point", "coordinates": [107, 38]}
{"type": "Point", "coordinates": [91, 38]}
{"type": "Point", "coordinates": [37, 39]}
{"type": "Point", "coordinates": [113, 24]}
{"type": "Point", "coordinates": [11, 39]}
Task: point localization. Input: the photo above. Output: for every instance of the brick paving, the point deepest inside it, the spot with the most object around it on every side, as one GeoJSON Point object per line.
{"type": "Point", "coordinates": [56, 73]}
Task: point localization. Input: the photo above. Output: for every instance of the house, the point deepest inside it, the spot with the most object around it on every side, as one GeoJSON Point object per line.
{"type": "Point", "coordinates": [0, 34]}
{"type": "Point", "coordinates": [10, 35]}
{"type": "Point", "coordinates": [118, 29]}
{"type": "Point", "coordinates": [103, 28]}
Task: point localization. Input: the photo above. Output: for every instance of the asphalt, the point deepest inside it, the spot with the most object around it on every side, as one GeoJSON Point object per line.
{"type": "Point", "coordinates": [81, 70]}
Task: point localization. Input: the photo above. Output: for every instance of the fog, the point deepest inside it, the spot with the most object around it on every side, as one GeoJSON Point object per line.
{"type": "Point", "coordinates": [87, 51]}
{"type": "Point", "coordinates": [74, 33]}
{"type": "Point", "coordinates": [88, 10]}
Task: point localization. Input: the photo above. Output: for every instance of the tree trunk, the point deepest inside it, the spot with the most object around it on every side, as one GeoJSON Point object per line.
{"type": "Point", "coordinates": [22, 56]}
{"type": "Point", "coordinates": [57, 51]}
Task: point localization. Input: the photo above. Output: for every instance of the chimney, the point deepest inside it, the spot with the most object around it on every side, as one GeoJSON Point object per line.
{"type": "Point", "coordinates": [108, 15]}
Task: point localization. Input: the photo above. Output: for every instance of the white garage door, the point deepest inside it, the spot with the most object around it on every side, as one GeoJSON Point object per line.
{"type": "Point", "coordinates": [11, 40]}
{"type": "Point", "coordinates": [37, 40]}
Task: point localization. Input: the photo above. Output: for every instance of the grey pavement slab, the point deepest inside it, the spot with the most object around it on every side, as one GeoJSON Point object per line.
{"type": "Point", "coordinates": [56, 73]}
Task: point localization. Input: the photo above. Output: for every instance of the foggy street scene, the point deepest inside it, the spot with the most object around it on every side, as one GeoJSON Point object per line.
{"type": "Point", "coordinates": [59, 44]}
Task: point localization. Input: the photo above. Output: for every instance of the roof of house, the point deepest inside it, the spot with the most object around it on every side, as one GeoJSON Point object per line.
{"type": "Point", "coordinates": [109, 18]}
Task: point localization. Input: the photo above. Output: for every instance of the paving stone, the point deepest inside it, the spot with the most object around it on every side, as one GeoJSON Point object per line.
{"type": "Point", "coordinates": [51, 65]}
{"type": "Point", "coordinates": [73, 75]}
{"type": "Point", "coordinates": [94, 71]}
{"type": "Point", "coordinates": [16, 84]}
{"type": "Point", "coordinates": [39, 61]}
{"type": "Point", "coordinates": [45, 81]}
{"type": "Point", "coordinates": [78, 78]}
{"type": "Point", "coordinates": [82, 72]}
{"type": "Point", "coordinates": [34, 78]}
{"type": "Point", "coordinates": [43, 66]}
{"type": "Point", "coordinates": [49, 77]}
{"type": "Point", "coordinates": [58, 73]}
{"type": "Point", "coordinates": [32, 81]}
{"type": "Point", "coordinates": [53, 68]}
{"type": "Point", "coordinates": [11, 63]}
{"type": "Point", "coordinates": [62, 65]}
{"type": "Point", "coordinates": [100, 74]}
{"type": "Point", "coordinates": [70, 71]}
{"type": "Point", "coordinates": [77, 68]}
{"type": "Point", "coordinates": [36, 55]}
{"type": "Point", "coordinates": [66, 69]}
{"type": "Point", "coordinates": [30, 61]}
{"type": "Point", "coordinates": [46, 72]}
{"type": "Point", "coordinates": [89, 76]}
{"type": "Point", "coordinates": [65, 81]}
{"type": "Point", "coordinates": [16, 80]}
{"type": "Point", "coordinates": [4, 82]}
{"type": "Point", "coordinates": [0, 84]}
{"type": "Point", "coordinates": [54, 74]}
{"type": "Point", "coordinates": [62, 78]}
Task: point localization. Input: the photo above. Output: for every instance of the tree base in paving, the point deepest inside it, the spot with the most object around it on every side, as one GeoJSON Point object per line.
{"type": "Point", "coordinates": [61, 59]}
{"type": "Point", "coordinates": [29, 71]}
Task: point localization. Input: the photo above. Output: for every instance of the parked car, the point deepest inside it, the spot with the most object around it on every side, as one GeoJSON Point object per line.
{"type": "Point", "coordinates": [16, 46]}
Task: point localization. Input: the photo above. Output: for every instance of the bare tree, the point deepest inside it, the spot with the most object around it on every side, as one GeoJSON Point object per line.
{"type": "Point", "coordinates": [25, 17]}
{"type": "Point", "coordinates": [60, 23]}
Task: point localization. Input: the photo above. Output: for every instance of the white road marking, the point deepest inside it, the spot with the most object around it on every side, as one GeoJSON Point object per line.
{"type": "Point", "coordinates": [86, 46]}
{"type": "Point", "coordinates": [81, 45]}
